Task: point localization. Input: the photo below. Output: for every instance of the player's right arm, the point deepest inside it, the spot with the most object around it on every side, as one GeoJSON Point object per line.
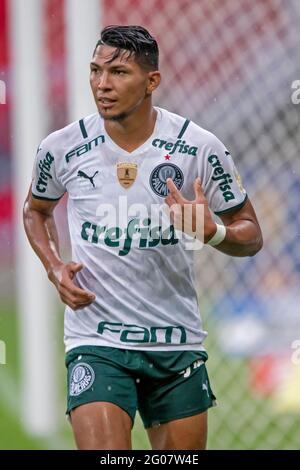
{"type": "Point", "coordinates": [42, 234]}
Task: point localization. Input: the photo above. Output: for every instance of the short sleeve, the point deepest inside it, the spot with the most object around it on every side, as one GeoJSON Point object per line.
{"type": "Point", "coordinates": [223, 185]}
{"type": "Point", "coordinates": [45, 183]}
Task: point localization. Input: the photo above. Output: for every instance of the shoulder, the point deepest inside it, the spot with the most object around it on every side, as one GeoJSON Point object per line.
{"type": "Point", "coordinates": [183, 128]}
{"type": "Point", "coordinates": [204, 137]}
{"type": "Point", "coordinates": [171, 122]}
{"type": "Point", "coordinates": [69, 135]}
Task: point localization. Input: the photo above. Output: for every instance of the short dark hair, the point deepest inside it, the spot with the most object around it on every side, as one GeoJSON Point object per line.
{"type": "Point", "coordinates": [135, 39]}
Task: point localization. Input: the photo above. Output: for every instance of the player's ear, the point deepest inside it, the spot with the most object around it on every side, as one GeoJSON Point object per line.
{"type": "Point", "coordinates": [154, 79]}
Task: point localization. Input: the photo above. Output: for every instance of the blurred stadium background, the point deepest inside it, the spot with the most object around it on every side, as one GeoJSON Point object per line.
{"type": "Point", "coordinates": [229, 65]}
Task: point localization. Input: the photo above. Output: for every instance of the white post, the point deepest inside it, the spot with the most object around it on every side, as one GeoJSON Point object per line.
{"type": "Point", "coordinates": [34, 296]}
{"type": "Point", "coordinates": [83, 31]}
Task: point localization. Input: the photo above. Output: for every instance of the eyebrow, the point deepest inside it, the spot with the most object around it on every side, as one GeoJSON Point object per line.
{"type": "Point", "coordinates": [94, 64]}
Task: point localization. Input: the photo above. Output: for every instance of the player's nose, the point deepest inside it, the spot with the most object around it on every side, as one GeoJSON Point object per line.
{"type": "Point", "coordinates": [104, 82]}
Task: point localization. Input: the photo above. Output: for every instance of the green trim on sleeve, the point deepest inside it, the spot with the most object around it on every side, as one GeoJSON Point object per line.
{"type": "Point", "coordinates": [83, 129]}
{"type": "Point", "coordinates": [234, 208]}
{"type": "Point", "coordinates": [184, 128]}
{"type": "Point", "coordinates": [45, 198]}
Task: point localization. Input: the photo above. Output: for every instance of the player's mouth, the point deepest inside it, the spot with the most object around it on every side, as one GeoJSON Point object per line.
{"type": "Point", "coordinates": [106, 103]}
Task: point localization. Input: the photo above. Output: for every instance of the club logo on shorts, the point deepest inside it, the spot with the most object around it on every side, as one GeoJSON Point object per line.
{"type": "Point", "coordinates": [160, 174]}
{"type": "Point", "coordinates": [82, 378]}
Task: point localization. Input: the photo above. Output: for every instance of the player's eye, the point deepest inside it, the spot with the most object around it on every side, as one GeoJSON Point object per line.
{"type": "Point", "coordinates": [119, 72]}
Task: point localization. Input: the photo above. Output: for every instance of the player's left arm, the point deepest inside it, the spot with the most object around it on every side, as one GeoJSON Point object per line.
{"type": "Point", "coordinates": [243, 233]}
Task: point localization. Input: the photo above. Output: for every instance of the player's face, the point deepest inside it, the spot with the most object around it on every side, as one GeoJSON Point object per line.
{"type": "Point", "coordinates": [120, 86]}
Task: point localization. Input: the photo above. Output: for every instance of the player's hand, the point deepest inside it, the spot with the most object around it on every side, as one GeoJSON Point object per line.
{"type": "Point", "coordinates": [72, 295]}
{"type": "Point", "coordinates": [175, 197]}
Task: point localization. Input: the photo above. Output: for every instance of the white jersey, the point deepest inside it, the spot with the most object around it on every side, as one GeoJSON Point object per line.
{"type": "Point", "coordinates": [143, 278]}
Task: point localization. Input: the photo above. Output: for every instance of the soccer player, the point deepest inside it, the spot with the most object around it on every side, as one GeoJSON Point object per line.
{"type": "Point", "coordinates": [133, 332]}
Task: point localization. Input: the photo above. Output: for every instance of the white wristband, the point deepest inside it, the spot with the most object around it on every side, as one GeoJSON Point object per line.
{"type": "Point", "coordinates": [218, 236]}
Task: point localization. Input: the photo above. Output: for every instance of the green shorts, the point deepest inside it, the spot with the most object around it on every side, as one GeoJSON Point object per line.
{"type": "Point", "coordinates": [162, 386]}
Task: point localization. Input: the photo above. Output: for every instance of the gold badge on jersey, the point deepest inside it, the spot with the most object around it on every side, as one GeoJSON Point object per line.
{"type": "Point", "coordinates": [126, 173]}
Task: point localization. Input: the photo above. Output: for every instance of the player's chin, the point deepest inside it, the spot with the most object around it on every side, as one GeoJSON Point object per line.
{"type": "Point", "coordinates": [113, 115]}
{"type": "Point", "coordinates": [105, 114]}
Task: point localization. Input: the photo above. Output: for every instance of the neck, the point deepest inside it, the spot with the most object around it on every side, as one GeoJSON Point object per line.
{"type": "Point", "coordinates": [133, 130]}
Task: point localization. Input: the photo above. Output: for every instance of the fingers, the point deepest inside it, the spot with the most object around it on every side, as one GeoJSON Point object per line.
{"type": "Point", "coordinates": [73, 303]}
{"type": "Point", "coordinates": [175, 196]}
{"type": "Point", "coordinates": [198, 189]}
{"type": "Point", "coordinates": [174, 193]}
{"type": "Point", "coordinates": [74, 268]}
{"type": "Point", "coordinates": [80, 295]}
{"type": "Point", "coordinates": [70, 293]}
{"type": "Point", "coordinates": [170, 200]}
{"type": "Point", "coordinates": [67, 283]}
